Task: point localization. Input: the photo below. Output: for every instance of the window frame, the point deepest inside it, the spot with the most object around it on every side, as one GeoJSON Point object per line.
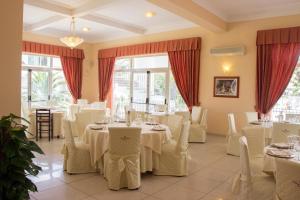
{"type": "Point", "coordinates": [132, 70]}
{"type": "Point", "coordinates": [49, 69]}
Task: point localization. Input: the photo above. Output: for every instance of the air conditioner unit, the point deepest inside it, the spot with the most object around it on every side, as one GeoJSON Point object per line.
{"type": "Point", "coordinates": [237, 50]}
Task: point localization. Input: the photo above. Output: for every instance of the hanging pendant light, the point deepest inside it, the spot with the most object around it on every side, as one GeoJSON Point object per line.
{"type": "Point", "coordinates": [72, 40]}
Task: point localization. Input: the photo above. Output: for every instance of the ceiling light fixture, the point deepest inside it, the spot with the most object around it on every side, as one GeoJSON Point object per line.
{"type": "Point", "coordinates": [72, 40]}
{"type": "Point", "coordinates": [150, 14]}
{"type": "Point", "coordinates": [86, 29]}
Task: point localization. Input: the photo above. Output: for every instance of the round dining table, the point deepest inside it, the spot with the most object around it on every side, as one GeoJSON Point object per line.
{"type": "Point", "coordinates": [151, 142]}
{"type": "Point", "coordinates": [269, 165]}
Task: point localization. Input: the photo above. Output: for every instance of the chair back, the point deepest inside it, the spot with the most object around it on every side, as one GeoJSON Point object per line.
{"type": "Point", "coordinates": [175, 125]}
{"type": "Point", "coordinates": [124, 140]}
{"type": "Point", "coordinates": [196, 114]}
{"type": "Point", "coordinates": [231, 124]}
{"type": "Point", "coordinates": [256, 140]}
{"type": "Point", "coordinates": [82, 120]}
{"type": "Point", "coordinates": [185, 115]}
{"type": "Point", "coordinates": [244, 160]}
{"type": "Point", "coordinates": [287, 179]}
{"type": "Point", "coordinates": [203, 121]}
{"type": "Point", "coordinates": [98, 105]}
{"type": "Point", "coordinates": [182, 144]}
{"type": "Point", "coordinates": [251, 116]}
{"type": "Point", "coordinates": [69, 140]}
{"type": "Point", "coordinates": [82, 102]}
{"type": "Point", "coordinates": [281, 131]}
{"type": "Point", "coordinates": [72, 110]}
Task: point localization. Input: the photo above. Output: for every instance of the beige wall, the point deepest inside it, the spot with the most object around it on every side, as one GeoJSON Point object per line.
{"type": "Point", "coordinates": [11, 20]}
{"type": "Point", "coordinates": [88, 63]}
{"type": "Point", "coordinates": [243, 66]}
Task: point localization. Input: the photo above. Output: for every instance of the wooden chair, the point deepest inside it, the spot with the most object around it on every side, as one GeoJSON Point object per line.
{"type": "Point", "coordinates": [44, 123]}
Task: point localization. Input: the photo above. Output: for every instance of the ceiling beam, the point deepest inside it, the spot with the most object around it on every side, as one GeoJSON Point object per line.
{"type": "Point", "coordinates": [43, 24]}
{"type": "Point", "coordinates": [193, 12]}
{"type": "Point", "coordinates": [89, 7]}
{"type": "Point", "coordinates": [50, 7]}
{"type": "Point", "coordinates": [114, 23]}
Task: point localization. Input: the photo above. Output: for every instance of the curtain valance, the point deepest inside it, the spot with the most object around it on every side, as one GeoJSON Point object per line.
{"type": "Point", "coordinates": [153, 47]}
{"type": "Point", "coordinates": [34, 47]}
{"type": "Point", "coordinates": [278, 36]}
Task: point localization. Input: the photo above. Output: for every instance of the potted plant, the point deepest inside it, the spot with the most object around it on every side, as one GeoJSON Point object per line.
{"type": "Point", "coordinates": [16, 164]}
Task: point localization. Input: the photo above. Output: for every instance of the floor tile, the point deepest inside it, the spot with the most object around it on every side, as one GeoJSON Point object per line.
{"type": "Point", "coordinates": [120, 195]}
{"type": "Point", "coordinates": [91, 186]}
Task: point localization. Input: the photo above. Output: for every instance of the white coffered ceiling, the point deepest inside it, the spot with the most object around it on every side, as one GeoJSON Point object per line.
{"type": "Point", "coordinates": [118, 19]}
{"type": "Point", "coordinates": [240, 10]}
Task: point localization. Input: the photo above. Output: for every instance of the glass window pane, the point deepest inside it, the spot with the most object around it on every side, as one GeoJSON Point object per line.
{"type": "Point", "coordinates": [157, 88]}
{"type": "Point", "coordinates": [121, 92]}
{"type": "Point", "coordinates": [39, 88]}
{"type": "Point", "coordinates": [61, 96]}
{"type": "Point", "coordinates": [151, 62]}
{"type": "Point", "coordinates": [176, 102]}
{"type": "Point", "coordinates": [56, 63]}
{"type": "Point", "coordinates": [123, 63]}
{"type": "Point", "coordinates": [35, 60]}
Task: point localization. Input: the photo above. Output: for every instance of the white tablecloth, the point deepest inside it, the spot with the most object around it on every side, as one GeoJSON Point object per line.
{"type": "Point", "coordinates": [269, 162]}
{"type": "Point", "coordinates": [268, 128]}
{"type": "Point", "coordinates": [151, 142]}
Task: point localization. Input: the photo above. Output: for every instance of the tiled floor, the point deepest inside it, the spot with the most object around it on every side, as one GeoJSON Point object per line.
{"type": "Point", "coordinates": [211, 172]}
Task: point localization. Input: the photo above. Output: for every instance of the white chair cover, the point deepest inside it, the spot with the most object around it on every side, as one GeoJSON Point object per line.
{"type": "Point", "coordinates": [82, 120]}
{"type": "Point", "coordinates": [174, 122]}
{"type": "Point", "coordinates": [196, 114]}
{"type": "Point", "coordinates": [173, 160]}
{"type": "Point", "coordinates": [287, 179]}
{"type": "Point", "coordinates": [233, 146]}
{"type": "Point", "coordinates": [77, 157]}
{"type": "Point", "coordinates": [198, 130]}
{"type": "Point", "coordinates": [122, 162]}
{"type": "Point", "coordinates": [251, 116]}
{"type": "Point", "coordinates": [82, 102]}
{"type": "Point", "coordinates": [72, 110]}
{"type": "Point", "coordinates": [185, 114]}
{"type": "Point", "coordinates": [282, 130]}
{"type": "Point", "coordinates": [250, 170]}
{"type": "Point", "coordinates": [256, 140]}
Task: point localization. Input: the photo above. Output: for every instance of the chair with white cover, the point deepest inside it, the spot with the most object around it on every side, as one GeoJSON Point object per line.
{"type": "Point", "coordinates": [173, 160]}
{"type": "Point", "coordinates": [72, 110]}
{"type": "Point", "coordinates": [256, 140]}
{"type": "Point", "coordinates": [250, 176]}
{"type": "Point", "coordinates": [174, 122]}
{"type": "Point", "coordinates": [77, 157]}
{"type": "Point", "coordinates": [82, 102]}
{"type": "Point", "coordinates": [233, 146]}
{"type": "Point", "coordinates": [281, 131]}
{"type": "Point", "coordinates": [185, 114]}
{"type": "Point", "coordinates": [198, 130]}
{"type": "Point", "coordinates": [251, 116]}
{"type": "Point", "coordinates": [196, 114]}
{"type": "Point", "coordinates": [122, 161]}
{"type": "Point", "coordinates": [287, 179]}
{"type": "Point", "coordinates": [82, 120]}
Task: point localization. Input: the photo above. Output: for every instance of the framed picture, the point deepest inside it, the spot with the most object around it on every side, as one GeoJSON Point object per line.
{"type": "Point", "coordinates": [226, 86]}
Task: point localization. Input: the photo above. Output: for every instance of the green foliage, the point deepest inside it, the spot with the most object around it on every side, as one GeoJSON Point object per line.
{"type": "Point", "coordinates": [16, 154]}
{"type": "Point", "coordinates": [295, 81]}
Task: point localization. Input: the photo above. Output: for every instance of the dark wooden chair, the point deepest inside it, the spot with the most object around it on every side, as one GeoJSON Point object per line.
{"type": "Point", "coordinates": [44, 123]}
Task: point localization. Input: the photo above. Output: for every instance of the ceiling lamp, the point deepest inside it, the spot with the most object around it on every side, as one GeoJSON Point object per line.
{"type": "Point", "coordinates": [72, 40]}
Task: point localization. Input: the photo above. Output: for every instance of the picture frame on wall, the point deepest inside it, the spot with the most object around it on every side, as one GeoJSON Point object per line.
{"type": "Point", "coordinates": [226, 86]}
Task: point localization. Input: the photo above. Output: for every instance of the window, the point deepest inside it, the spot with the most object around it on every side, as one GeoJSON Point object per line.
{"type": "Point", "coordinates": [144, 82]}
{"type": "Point", "coordinates": [43, 82]}
{"type": "Point", "coordinates": [288, 106]}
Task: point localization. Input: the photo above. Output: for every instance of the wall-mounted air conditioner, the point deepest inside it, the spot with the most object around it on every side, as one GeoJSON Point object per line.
{"type": "Point", "coordinates": [237, 50]}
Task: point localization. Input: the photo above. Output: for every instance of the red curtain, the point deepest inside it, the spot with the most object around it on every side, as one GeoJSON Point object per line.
{"type": "Point", "coordinates": [184, 55]}
{"type": "Point", "coordinates": [277, 58]}
{"type": "Point", "coordinates": [105, 74]}
{"type": "Point", "coordinates": [72, 68]}
{"type": "Point", "coordinates": [71, 60]}
{"type": "Point", "coordinates": [185, 66]}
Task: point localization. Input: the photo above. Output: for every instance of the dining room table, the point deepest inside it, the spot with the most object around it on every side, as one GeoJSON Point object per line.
{"type": "Point", "coordinates": [153, 136]}
{"type": "Point", "coordinates": [279, 151]}
{"type": "Point", "coordinates": [267, 127]}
